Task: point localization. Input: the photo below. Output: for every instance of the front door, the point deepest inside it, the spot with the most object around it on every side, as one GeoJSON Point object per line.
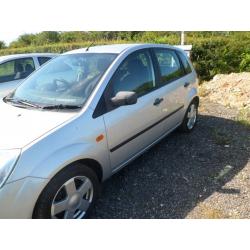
{"type": "Point", "coordinates": [132, 128]}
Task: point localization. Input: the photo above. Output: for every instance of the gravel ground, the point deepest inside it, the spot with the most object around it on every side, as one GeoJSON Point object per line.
{"type": "Point", "coordinates": [204, 174]}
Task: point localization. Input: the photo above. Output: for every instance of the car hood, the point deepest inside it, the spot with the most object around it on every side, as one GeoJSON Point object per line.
{"type": "Point", "coordinates": [19, 127]}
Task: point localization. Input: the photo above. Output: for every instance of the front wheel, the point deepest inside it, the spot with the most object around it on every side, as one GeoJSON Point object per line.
{"type": "Point", "coordinates": [190, 117]}
{"type": "Point", "coordinates": [69, 195]}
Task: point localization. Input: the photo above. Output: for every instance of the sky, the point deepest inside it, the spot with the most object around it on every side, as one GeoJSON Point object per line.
{"type": "Point", "coordinates": [30, 16]}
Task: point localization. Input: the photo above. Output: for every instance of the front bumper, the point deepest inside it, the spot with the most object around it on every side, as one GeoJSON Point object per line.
{"type": "Point", "coordinates": [18, 199]}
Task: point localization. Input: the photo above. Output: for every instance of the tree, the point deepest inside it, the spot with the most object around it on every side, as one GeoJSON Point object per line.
{"type": "Point", "coordinates": [2, 45]}
{"type": "Point", "coordinates": [74, 36]}
{"type": "Point", "coordinates": [47, 37]}
{"type": "Point", "coordinates": [23, 41]}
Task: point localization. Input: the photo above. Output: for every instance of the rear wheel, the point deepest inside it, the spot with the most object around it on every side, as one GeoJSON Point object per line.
{"type": "Point", "coordinates": [190, 118]}
{"type": "Point", "coordinates": [69, 195]}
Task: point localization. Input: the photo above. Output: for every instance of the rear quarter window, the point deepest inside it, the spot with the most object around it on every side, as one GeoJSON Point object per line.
{"type": "Point", "coordinates": [185, 62]}
{"type": "Point", "coordinates": [43, 60]}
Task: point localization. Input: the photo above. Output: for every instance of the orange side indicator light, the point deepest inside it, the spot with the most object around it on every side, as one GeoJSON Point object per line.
{"type": "Point", "coordinates": [99, 138]}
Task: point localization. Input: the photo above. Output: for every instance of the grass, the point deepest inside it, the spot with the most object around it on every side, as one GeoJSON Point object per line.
{"type": "Point", "coordinates": [243, 117]}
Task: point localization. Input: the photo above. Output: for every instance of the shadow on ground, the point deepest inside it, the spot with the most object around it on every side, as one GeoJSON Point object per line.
{"type": "Point", "coordinates": [183, 169]}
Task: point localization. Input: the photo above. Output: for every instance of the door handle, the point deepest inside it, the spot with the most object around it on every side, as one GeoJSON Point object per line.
{"type": "Point", "coordinates": [186, 84]}
{"type": "Point", "coordinates": [158, 101]}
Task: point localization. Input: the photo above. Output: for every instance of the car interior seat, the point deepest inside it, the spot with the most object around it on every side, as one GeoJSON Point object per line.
{"type": "Point", "coordinates": [18, 71]}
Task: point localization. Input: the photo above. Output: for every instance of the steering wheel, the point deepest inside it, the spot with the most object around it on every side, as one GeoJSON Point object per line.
{"type": "Point", "coordinates": [61, 87]}
{"type": "Point", "coordinates": [84, 88]}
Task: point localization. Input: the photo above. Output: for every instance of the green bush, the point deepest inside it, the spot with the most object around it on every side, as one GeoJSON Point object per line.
{"type": "Point", "coordinates": [54, 48]}
{"type": "Point", "coordinates": [220, 56]}
{"type": "Point", "coordinates": [245, 62]}
{"type": "Point", "coordinates": [213, 52]}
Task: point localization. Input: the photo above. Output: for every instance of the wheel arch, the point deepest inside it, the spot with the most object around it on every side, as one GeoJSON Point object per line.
{"type": "Point", "coordinates": [192, 95]}
{"type": "Point", "coordinates": [91, 163]}
{"type": "Point", "coordinates": [196, 99]}
{"type": "Point", "coordinates": [94, 165]}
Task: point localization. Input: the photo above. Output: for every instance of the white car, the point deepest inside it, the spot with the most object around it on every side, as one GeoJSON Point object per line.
{"type": "Point", "coordinates": [15, 68]}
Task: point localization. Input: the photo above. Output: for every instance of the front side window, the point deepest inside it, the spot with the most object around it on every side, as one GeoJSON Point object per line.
{"type": "Point", "coordinates": [66, 80]}
{"type": "Point", "coordinates": [169, 65]}
{"type": "Point", "coordinates": [134, 74]}
{"type": "Point", "coordinates": [16, 69]}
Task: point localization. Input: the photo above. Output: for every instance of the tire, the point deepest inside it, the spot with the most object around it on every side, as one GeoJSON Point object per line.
{"type": "Point", "coordinates": [186, 125]}
{"type": "Point", "coordinates": [75, 188]}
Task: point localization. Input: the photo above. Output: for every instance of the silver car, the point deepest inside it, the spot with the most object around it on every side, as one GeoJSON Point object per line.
{"type": "Point", "coordinates": [15, 68]}
{"type": "Point", "coordinates": [82, 117]}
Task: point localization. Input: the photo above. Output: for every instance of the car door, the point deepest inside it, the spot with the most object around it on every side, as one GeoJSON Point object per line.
{"type": "Point", "coordinates": [172, 83]}
{"type": "Point", "coordinates": [12, 72]}
{"type": "Point", "coordinates": [132, 128]}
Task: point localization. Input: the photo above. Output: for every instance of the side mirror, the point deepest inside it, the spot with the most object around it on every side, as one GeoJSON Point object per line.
{"type": "Point", "coordinates": [123, 98]}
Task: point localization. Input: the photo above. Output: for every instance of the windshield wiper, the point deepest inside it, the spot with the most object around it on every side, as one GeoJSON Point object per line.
{"type": "Point", "coordinates": [22, 102]}
{"type": "Point", "coordinates": [62, 106]}
{"type": "Point", "coordinates": [25, 103]}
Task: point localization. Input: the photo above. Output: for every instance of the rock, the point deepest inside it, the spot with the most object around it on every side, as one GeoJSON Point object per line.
{"type": "Point", "coordinates": [232, 90]}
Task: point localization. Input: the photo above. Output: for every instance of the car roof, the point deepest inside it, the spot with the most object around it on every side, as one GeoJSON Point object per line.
{"type": "Point", "coordinates": [117, 48]}
{"type": "Point", "coordinates": [16, 56]}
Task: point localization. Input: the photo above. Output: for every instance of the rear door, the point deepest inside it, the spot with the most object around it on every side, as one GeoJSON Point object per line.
{"type": "Point", "coordinates": [132, 128]}
{"type": "Point", "coordinates": [172, 83]}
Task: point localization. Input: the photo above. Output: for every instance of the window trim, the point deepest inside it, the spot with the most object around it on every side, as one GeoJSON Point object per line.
{"type": "Point", "coordinates": [103, 106]}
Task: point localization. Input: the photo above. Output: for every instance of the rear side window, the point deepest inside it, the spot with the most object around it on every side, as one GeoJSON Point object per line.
{"type": "Point", "coordinates": [43, 60]}
{"type": "Point", "coordinates": [134, 74]}
{"type": "Point", "coordinates": [16, 69]}
{"type": "Point", "coordinates": [169, 65]}
{"type": "Point", "coordinates": [185, 62]}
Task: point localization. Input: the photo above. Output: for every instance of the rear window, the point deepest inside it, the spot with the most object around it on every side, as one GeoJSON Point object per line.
{"type": "Point", "coordinates": [43, 60]}
{"type": "Point", "coordinates": [169, 65]}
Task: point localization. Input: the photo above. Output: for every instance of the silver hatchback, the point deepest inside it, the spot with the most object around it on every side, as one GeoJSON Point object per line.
{"type": "Point", "coordinates": [82, 117]}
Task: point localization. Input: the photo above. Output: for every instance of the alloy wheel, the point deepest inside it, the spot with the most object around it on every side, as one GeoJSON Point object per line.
{"type": "Point", "coordinates": [73, 199]}
{"type": "Point", "coordinates": [192, 116]}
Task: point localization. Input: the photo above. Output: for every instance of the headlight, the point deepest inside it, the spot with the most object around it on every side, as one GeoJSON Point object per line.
{"type": "Point", "coordinates": [8, 159]}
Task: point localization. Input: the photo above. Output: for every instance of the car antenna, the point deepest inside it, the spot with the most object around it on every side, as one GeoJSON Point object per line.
{"type": "Point", "coordinates": [87, 49]}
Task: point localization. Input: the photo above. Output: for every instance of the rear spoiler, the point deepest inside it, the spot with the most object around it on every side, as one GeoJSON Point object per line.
{"type": "Point", "coordinates": [186, 48]}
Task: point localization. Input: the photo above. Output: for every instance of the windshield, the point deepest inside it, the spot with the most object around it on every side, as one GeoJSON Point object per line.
{"type": "Point", "coordinates": [67, 80]}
